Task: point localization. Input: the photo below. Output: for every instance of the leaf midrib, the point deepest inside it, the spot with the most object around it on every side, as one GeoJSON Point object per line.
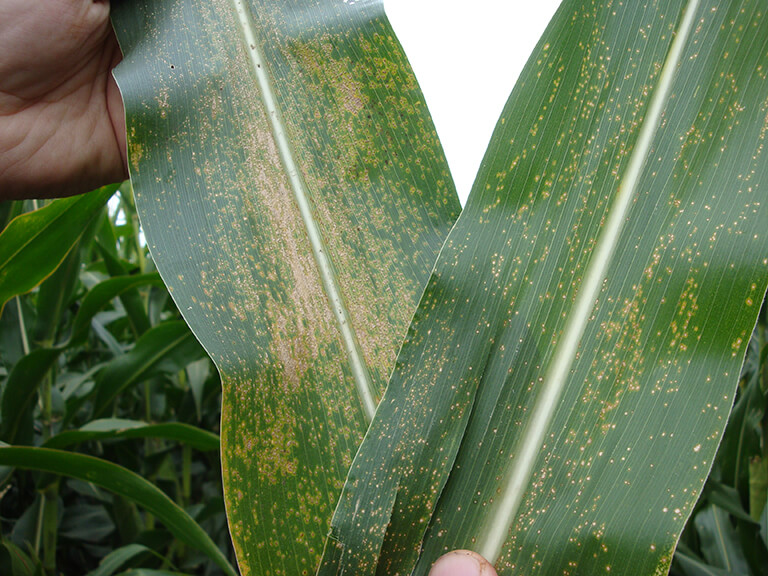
{"type": "Point", "coordinates": [260, 68]}
{"type": "Point", "coordinates": [556, 376]}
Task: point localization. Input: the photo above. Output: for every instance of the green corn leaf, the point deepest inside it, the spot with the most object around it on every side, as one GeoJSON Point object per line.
{"type": "Point", "coordinates": [54, 295]}
{"type": "Point", "coordinates": [20, 392]}
{"type": "Point", "coordinates": [20, 389]}
{"type": "Point", "coordinates": [166, 347]}
{"type": "Point", "coordinates": [692, 566]}
{"type": "Point", "coordinates": [123, 482]}
{"type": "Point", "coordinates": [33, 245]}
{"type": "Point", "coordinates": [741, 441]}
{"type": "Point", "coordinates": [294, 197]}
{"type": "Point", "coordinates": [719, 541]}
{"type": "Point", "coordinates": [117, 558]}
{"type": "Point", "coordinates": [132, 300]}
{"type": "Point", "coordinates": [9, 209]}
{"type": "Point", "coordinates": [726, 499]}
{"type": "Point", "coordinates": [15, 561]}
{"type": "Point", "coordinates": [566, 380]}
{"type": "Point", "coordinates": [758, 486]}
{"type": "Point", "coordinates": [11, 338]}
{"type": "Point", "coordinates": [100, 295]}
{"type": "Point", "coordinates": [117, 428]}
{"type": "Point", "coordinates": [752, 546]}
{"type": "Point", "coordinates": [148, 572]}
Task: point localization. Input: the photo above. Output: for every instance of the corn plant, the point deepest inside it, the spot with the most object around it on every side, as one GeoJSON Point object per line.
{"type": "Point", "coordinates": [106, 390]}
{"type": "Point", "coordinates": [545, 377]}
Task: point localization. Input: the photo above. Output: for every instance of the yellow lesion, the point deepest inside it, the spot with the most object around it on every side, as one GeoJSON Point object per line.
{"type": "Point", "coordinates": [136, 151]}
{"type": "Point", "coordinates": [687, 307]}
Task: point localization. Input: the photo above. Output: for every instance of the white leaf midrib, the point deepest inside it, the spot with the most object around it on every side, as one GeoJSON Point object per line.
{"type": "Point", "coordinates": [500, 520]}
{"type": "Point", "coordinates": [325, 267]}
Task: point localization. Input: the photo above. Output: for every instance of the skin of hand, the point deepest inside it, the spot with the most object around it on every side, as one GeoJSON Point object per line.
{"type": "Point", "coordinates": [62, 124]}
{"type": "Point", "coordinates": [462, 563]}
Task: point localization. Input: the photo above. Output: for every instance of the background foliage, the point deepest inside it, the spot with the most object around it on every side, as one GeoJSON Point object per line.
{"type": "Point", "coordinates": [728, 530]}
{"type": "Point", "coordinates": [134, 364]}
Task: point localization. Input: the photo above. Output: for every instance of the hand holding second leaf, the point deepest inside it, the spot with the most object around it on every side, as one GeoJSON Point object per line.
{"type": "Point", "coordinates": [462, 563]}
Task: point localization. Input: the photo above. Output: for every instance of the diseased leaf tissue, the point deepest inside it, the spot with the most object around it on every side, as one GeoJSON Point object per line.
{"type": "Point", "coordinates": [295, 197]}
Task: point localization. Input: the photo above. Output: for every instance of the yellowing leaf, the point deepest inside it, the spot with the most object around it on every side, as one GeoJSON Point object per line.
{"type": "Point", "coordinates": [294, 197]}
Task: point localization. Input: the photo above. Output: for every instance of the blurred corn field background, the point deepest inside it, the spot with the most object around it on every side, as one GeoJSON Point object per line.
{"type": "Point", "coordinates": [96, 361]}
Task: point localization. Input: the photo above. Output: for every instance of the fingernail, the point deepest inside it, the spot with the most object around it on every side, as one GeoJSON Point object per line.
{"type": "Point", "coordinates": [462, 563]}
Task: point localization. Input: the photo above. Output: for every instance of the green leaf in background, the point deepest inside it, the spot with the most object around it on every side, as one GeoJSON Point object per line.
{"type": "Point", "coordinates": [726, 498]}
{"type": "Point", "coordinates": [131, 299]}
{"type": "Point", "coordinates": [14, 561]}
{"type": "Point", "coordinates": [693, 567]}
{"type": "Point", "coordinates": [197, 374]}
{"type": "Point", "coordinates": [56, 292]}
{"type": "Point", "coordinates": [116, 559]}
{"type": "Point", "coordinates": [20, 392]}
{"type": "Point", "coordinates": [148, 572]}
{"type": "Point", "coordinates": [20, 389]}
{"type": "Point", "coordinates": [101, 294]}
{"type": "Point", "coordinates": [166, 347]}
{"type": "Point", "coordinates": [719, 541]}
{"type": "Point", "coordinates": [758, 486]}
{"type": "Point", "coordinates": [120, 481]}
{"type": "Point", "coordinates": [566, 380]}
{"type": "Point", "coordinates": [116, 428]}
{"type": "Point", "coordinates": [33, 245]}
{"type": "Point", "coordinates": [294, 197]}
{"type": "Point", "coordinates": [9, 209]}
{"type": "Point", "coordinates": [742, 439]}
{"type": "Point", "coordinates": [12, 341]}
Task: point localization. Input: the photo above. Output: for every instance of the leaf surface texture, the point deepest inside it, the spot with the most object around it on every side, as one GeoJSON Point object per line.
{"type": "Point", "coordinates": [602, 469]}
{"type": "Point", "coordinates": [294, 197]}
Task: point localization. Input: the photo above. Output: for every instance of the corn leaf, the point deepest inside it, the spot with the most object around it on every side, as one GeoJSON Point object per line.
{"type": "Point", "coordinates": [719, 540]}
{"type": "Point", "coordinates": [34, 244]}
{"type": "Point", "coordinates": [566, 380]}
{"type": "Point", "coordinates": [117, 558]}
{"type": "Point", "coordinates": [167, 347]}
{"type": "Point", "coordinates": [123, 482]}
{"type": "Point", "coordinates": [294, 197]}
{"type": "Point", "coordinates": [20, 390]}
{"type": "Point", "coordinates": [118, 428]}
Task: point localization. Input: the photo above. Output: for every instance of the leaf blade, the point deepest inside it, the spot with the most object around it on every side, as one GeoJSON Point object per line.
{"type": "Point", "coordinates": [564, 354]}
{"type": "Point", "coordinates": [120, 481]}
{"type": "Point", "coordinates": [34, 244]}
{"type": "Point", "coordinates": [170, 343]}
{"type": "Point", "coordinates": [20, 389]}
{"type": "Point", "coordinates": [669, 326]}
{"type": "Point", "coordinates": [258, 297]}
{"type": "Point", "coordinates": [116, 428]}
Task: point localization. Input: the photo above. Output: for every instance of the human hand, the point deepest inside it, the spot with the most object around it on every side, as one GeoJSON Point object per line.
{"type": "Point", "coordinates": [62, 125]}
{"type": "Point", "coordinates": [462, 563]}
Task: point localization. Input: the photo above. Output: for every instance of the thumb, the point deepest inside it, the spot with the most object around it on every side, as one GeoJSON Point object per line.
{"type": "Point", "coordinates": [462, 563]}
